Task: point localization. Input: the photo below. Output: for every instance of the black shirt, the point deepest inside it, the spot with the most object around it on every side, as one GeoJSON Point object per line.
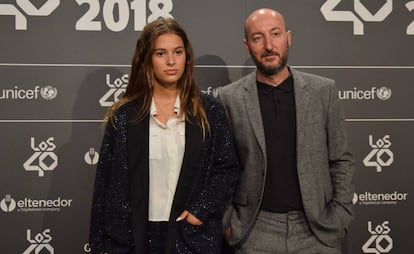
{"type": "Point", "coordinates": [277, 105]}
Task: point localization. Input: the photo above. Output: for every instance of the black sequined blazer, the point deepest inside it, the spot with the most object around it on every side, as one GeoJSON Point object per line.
{"type": "Point", "coordinates": [206, 183]}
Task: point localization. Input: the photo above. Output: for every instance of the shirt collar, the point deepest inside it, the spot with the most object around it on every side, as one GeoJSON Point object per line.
{"type": "Point", "coordinates": [177, 107]}
{"type": "Point", "coordinates": [286, 86]}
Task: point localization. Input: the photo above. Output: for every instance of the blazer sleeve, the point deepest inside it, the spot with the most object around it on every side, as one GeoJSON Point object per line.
{"type": "Point", "coordinates": [97, 234]}
{"type": "Point", "coordinates": [341, 162]}
{"type": "Point", "coordinates": [221, 167]}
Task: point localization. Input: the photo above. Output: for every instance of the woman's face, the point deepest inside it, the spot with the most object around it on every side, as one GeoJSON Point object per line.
{"type": "Point", "coordinates": [168, 59]}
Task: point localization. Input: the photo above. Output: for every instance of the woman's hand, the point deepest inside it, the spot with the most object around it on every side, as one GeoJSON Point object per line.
{"type": "Point", "coordinates": [227, 234]}
{"type": "Point", "coordinates": [189, 218]}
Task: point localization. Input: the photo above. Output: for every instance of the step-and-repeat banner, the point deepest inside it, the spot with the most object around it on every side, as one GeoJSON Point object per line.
{"type": "Point", "coordinates": [63, 63]}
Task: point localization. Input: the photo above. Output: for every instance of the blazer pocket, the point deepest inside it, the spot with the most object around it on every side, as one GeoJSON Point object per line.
{"type": "Point", "coordinates": [190, 228]}
{"type": "Point", "coordinates": [241, 199]}
{"type": "Point", "coordinates": [316, 118]}
{"type": "Point", "coordinates": [197, 239]}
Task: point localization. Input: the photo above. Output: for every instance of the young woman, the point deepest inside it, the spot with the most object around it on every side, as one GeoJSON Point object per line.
{"type": "Point", "coordinates": [168, 167]}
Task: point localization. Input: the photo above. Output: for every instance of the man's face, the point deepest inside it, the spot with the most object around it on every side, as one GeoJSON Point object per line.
{"type": "Point", "coordinates": [268, 42]}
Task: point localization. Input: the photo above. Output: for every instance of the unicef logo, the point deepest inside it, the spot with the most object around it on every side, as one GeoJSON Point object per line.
{"type": "Point", "coordinates": [48, 92]}
{"type": "Point", "coordinates": [209, 90]}
{"type": "Point", "coordinates": [384, 93]}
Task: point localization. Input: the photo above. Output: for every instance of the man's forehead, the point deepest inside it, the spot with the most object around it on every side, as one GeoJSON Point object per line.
{"type": "Point", "coordinates": [267, 18]}
{"type": "Point", "coordinates": [265, 25]}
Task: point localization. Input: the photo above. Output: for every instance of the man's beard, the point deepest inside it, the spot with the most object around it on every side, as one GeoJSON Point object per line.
{"type": "Point", "coordinates": [271, 70]}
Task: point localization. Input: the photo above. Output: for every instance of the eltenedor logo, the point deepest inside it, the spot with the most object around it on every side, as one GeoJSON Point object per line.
{"type": "Point", "coordinates": [26, 204]}
{"type": "Point", "coordinates": [368, 198]}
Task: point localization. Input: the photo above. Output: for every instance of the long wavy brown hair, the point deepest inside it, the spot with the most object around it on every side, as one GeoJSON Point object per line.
{"type": "Point", "coordinates": [142, 75]}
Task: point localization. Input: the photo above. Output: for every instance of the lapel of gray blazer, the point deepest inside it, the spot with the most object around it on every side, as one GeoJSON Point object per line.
{"type": "Point", "coordinates": [254, 115]}
{"type": "Point", "coordinates": [302, 106]}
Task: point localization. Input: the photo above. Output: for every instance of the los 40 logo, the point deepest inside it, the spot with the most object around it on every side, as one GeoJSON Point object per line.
{"type": "Point", "coordinates": [361, 14]}
{"type": "Point", "coordinates": [115, 14]}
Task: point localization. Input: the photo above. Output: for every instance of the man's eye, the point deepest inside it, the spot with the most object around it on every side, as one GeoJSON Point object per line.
{"type": "Point", "coordinates": [256, 39]}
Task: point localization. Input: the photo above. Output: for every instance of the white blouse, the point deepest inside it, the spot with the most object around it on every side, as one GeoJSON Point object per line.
{"type": "Point", "coordinates": [166, 151]}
